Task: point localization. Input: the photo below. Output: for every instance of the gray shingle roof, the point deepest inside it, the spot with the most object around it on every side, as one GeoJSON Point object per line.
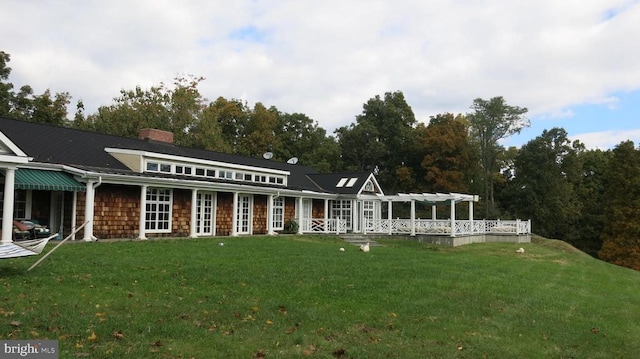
{"type": "Point", "coordinates": [85, 150]}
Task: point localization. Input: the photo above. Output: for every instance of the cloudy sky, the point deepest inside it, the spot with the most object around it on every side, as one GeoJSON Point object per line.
{"type": "Point", "coordinates": [573, 63]}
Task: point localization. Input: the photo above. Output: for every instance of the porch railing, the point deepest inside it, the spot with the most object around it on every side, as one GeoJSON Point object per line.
{"type": "Point", "coordinates": [321, 225]}
{"type": "Point", "coordinates": [443, 226]}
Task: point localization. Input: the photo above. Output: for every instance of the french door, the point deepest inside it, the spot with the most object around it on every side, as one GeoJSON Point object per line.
{"type": "Point", "coordinates": [243, 214]}
{"type": "Point", "coordinates": [205, 215]}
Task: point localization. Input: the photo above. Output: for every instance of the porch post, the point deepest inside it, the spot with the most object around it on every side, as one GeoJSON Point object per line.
{"type": "Point", "coordinates": [326, 215]}
{"type": "Point", "coordinates": [300, 214]}
{"type": "Point", "coordinates": [234, 219]}
{"type": "Point", "coordinates": [270, 215]}
{"type": "Point", "coordinates": [143, 212]}
{"type": "Point", "coordinates": [434, 214]}
{"type": "Point", "coordinates": [74, 215]}
{"type": "Point", "coordinates": [89, 204]}
{"type": "Point", "coordinates": [193, 221]}
{"type": "Point", "coordinates": [471, 216]}
{"type": "Point", "coordinates": [453, 218]}
{"type": "Point", "coordinates": [7, 205]}
{"type": "Point", "coordinates": [390, 216]}
{"type": "Point", "coordinates": [413, 217]}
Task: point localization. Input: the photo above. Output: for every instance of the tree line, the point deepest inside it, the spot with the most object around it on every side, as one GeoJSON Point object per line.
{"type": "Point", "coordinates": [589, 198]}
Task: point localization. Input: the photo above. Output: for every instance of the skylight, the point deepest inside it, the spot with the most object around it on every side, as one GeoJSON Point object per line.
{"type": "Point", "coordinates": [351, 182]}
{"type": "Point", "coordinates": [342, 182]}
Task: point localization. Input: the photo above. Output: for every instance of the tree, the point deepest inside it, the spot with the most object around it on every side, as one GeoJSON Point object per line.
{"type": "Point", "coordinates": [491, 121]}
{"type": "Point", "coordinates": [542, 188]}
{"type": "Point", "coordinates": [446, 154]}
{"type": "Point", "coordinates": [301, 137]}
{"type": "Point", "coordinates": [259, 136]}
{"type": "Point", "coordinates": [175, 109]}
{"type": "Point", "coordinates": [6, 88]}
{"type": "Point", "coordinates": [620, 241]}
{"type": "Point", "coordinates": [381, 140]}
{"type": "Point", "coordinates": [590, 190]}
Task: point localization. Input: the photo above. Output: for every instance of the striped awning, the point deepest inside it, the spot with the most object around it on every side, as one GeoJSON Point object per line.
{"type": "Point", "coordinates": [46, 180]}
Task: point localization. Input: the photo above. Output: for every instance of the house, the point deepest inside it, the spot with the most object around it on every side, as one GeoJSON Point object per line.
{"type": "Point", "coordinates": [148, 187]}
{"type": "Point", "coordinates": [119, 187]}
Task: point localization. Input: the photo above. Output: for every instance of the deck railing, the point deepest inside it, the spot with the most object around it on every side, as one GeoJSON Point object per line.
{"type": "Point", "coordinates": [443, 226]}
{"type": "Point", "coordinates": [421, 226]}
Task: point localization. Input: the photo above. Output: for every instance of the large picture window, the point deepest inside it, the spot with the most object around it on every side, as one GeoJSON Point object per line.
{"type": "Point", "coordinates": [158, 210]}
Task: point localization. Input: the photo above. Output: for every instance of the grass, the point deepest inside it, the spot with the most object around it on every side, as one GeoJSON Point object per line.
{"type": "Point", "coordinates": [298, 296]}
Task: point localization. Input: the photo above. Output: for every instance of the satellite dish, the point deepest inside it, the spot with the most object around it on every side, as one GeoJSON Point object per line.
{"type": "Point", "coordinates": [268, 155]}
{"type": "Point", "coordinates": [292, 160]}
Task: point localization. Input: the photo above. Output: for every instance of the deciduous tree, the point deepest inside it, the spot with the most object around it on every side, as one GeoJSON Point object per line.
{"type": "Point", "coordinates": [491, 121]}
{"type": "Point", "coordinates": [621, 234]}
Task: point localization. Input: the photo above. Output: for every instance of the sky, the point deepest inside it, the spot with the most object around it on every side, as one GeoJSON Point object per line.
{"type": "Point", "coordinates": [573, 64]}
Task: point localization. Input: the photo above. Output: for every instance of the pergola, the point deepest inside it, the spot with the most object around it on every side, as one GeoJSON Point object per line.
{"type": "Point", "coordinates": [427, 198]}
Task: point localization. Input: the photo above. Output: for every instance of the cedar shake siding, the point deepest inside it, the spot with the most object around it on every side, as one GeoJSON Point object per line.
{"type": "Point", "coordinates": [224, 214]}
{"type": "Point", "coordinates": [181, 214]}
{"type": "Point", "coordinates": [260, 214]}
{"type": "Point", "coordinates": [117, 211]}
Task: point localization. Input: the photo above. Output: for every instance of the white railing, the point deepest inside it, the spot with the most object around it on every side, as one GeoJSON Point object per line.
{"type": "Point", "coordinates": [321, 225]}
{"type": "Point", "coordinates": [443, 226]}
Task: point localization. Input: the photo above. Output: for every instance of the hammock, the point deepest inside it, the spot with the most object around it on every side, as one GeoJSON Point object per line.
{"type": "Point", "coordinates": [24, 248]}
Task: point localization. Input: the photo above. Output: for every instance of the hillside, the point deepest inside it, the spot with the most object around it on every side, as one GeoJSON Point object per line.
{"type": "Point", "coordinates": [292, 296]}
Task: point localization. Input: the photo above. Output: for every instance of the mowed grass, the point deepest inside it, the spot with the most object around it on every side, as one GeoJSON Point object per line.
{"type": "Point", "coordinates": [299, 296]}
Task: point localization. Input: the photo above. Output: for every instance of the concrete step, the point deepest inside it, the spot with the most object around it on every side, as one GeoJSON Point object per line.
{"type": "Point", "coordinates": [357, 240]}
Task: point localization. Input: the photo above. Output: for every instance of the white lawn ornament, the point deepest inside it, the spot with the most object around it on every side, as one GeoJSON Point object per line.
{"type": "Point", "coordinates": [520, 250]}
{"type": "Point", "coordinates": [221, 244]}
{"type": "Point", "coordinates": [341, 249]}
{"type": "Point", "coordinates": [364, 247]}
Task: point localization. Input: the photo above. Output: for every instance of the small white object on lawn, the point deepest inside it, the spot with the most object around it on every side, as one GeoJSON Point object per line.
{"type": "Point", "coordinates": [221, 244]}
{"type": "Point", "coordinates": [520, 250]}
{"type": "Point", "coordinates": [364, 247]}
{"type": "Point", "coordinates": [341, 249]}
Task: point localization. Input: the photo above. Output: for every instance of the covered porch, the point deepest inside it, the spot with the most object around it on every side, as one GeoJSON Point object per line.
{"type": "Point", "coordinates": [367, 218]}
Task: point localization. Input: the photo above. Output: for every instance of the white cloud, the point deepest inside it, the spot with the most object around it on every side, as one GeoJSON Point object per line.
{"type": "Point", "coordinates": [326, 59]}
{"type": "Point", "coordinates": [605, 140]}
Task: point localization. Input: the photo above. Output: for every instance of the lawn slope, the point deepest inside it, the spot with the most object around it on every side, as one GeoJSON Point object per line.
{"type": "Point", "coordinates": [293, 296]}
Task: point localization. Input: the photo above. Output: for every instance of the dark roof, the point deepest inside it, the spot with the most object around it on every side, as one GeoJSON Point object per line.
{"type": "Point", "coordinates": [85, 150]}
{"type": "Point", "coordinates": [330, 181]}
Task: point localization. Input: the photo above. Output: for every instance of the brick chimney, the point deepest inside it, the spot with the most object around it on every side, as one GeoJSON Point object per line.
{"type": "Point", "coordinates": [152, 134]}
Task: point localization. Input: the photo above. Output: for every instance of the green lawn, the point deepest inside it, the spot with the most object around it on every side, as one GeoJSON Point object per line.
{"type": "Point", "coordinates": [299, 296]}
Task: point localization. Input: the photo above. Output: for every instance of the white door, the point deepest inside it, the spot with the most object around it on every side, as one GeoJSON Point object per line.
{"type": "Point", "coordinates": [243, 215]}
{"type": "Point", "coordinates": [205, 213]}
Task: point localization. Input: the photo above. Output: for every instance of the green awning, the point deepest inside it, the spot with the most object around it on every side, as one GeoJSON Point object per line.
{"type": "Point", "coordinates": [46, 180]}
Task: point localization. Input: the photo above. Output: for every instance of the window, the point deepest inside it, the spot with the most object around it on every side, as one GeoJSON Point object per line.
{"type": "Point", "coordinates": [341, 210]}
{"type": "Point", "coordinates": [165, 167]}
{"type": "Point", "coordinates": [158, 210]}
{"type": "Point", "coordinates": [278, 213]}
{"type": "Point", "coordinates": [179, 170]}
{"type": "Point", "coordinates": [152, 166]}
{"type": "Point", "coordinates": [368, 187]}
{"type": "Point", "coordinates": [199, 171]}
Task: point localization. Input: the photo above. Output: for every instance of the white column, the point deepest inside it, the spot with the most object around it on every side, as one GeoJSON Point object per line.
{"type": "Point", "coordinates": [355, 216]}
{"type": "Point", "coordinates": [142, 234]}
{"type": "Point", "coordinates": [234, 219]}
{"type": "Point", "coordinates": [413, 217]}
{"type": "Point", "coordinates": [89, 207]}
{"type": "Point", "coordinates": [434, 213]}
{"type": "Point", "coordinates": [7, 206]}
{"type": "Point", "coordinates": [300, 214]}
{"type": "Point", "coordinates": [390, 216]}
{"type": "Point", "coordinates": [471, 216]}
{"type": "Point", "coordinates": [453, 218]}
{"type": "Point", "coordinates": [270, 215]}
{"type": "Point", "coordinates": [194, 210]}
{"type": "Point", "coordinates": [326, 215]}
{"type": "Point", "coordinates": [74, 216]}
